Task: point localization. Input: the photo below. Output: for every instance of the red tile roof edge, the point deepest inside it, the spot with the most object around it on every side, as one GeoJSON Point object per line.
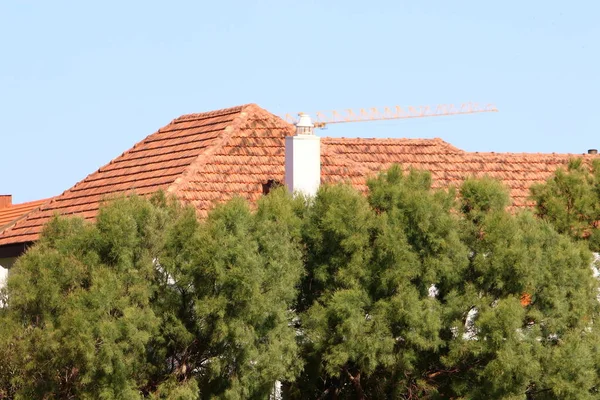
{"type": "Point", "coordinates": [21, 210]}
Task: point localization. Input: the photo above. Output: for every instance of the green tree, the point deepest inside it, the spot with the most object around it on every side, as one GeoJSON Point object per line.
{"type": "Point", "coordinates": [409, 294]}
{"type": "Point", "coordinates": [148, 302]}
{"type": "Point", "coordinates": [570, 201]}
{"type": "Point", "coordinates": [79, 308]}
{"type": "Point", "coordinates": [245, 272]}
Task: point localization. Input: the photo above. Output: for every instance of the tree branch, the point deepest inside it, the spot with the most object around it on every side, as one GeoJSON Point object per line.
{"type": "Point", "coordinates": [356, 382]}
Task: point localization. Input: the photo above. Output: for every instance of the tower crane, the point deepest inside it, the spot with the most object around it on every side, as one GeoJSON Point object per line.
{"type": "Point", "coordinates": [324, 118]}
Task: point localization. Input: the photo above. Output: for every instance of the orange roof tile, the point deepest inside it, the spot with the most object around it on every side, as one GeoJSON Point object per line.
{"type": "Point", "coordinates": [211, 157]}
{"type": "Point", "coordinates": [9, 215]}
{"type": "Point", "coordinates": [450, 165]}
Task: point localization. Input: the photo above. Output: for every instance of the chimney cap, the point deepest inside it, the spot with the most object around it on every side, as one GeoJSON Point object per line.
{"type": "Point", "coordinates": [304, 126]}
{"type": "Point", "coordinates": [593, 151]}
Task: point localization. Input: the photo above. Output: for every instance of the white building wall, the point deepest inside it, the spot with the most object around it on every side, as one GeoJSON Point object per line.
{"type": "Point", "coordinates": [3, 276]}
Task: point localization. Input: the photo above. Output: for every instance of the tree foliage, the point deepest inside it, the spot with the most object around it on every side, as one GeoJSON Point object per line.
{"type": "Point", "coordinates": [408, 292]}
{"type": "Point", "coordinates": [149, 302]}
{"type": "Point", "coordinates": [570, 201]}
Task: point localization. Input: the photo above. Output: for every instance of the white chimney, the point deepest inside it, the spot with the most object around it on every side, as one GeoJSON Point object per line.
{"type": "Point", "coordinates": [303, 158]}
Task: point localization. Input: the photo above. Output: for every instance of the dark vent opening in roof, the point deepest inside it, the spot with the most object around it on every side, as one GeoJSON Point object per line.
{"type": "Point", "coordinates": [270, 185]}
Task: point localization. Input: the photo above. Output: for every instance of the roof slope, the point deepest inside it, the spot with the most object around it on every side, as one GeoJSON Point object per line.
{"type": "Point", "coordinates": [9, 215]}
{"type": "Point", "coordinates": [151, 165]}
{"type": "Point", "coordinates": [251, 154]}
{"type": "Point", "coordinates": [517, 171]}
{"type": "Point", "coordinates": [449, 165]}
{"type": "Point", "coordinates": [211, 157]}
{"type": "Point", "coordinates": [367, 157]}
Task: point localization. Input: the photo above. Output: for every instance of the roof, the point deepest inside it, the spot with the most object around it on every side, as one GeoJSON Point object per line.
{"type": "Point", "coordinates": [200, 158]}
{"type": "Point", "coordinates": [211, 157]}
{"type": "Point", "coordinates": [10, 214]}
{"type": "Point", "coordinates": [449, 165]}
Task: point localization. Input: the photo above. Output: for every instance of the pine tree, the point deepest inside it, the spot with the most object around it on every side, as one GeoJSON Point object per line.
{"type": "Point", "coordinates": [149, 302]}
{"type": "Point", "coordinates": [79, 306]}
{"type": "Point", "coordinates": [410, 294]}
{"type": "Point", "coordinates": [245, 271]}
{"type": "Point", "coordinates": [570, 201]}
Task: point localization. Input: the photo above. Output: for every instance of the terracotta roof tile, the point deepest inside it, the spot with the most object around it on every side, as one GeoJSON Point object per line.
{"type": "Point", "coordinates": [11, 214]}
{"type": "Point", "coordinates": [449, 165]}
{"type": "Point", "coordinates": [252, 155]}
{"type": "Point", "coordinates": [153, 164]}
{"type": "Point", "coordinates": [211, 157]}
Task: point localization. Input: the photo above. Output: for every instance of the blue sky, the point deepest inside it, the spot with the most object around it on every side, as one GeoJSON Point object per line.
{"type": "Point", "coordinates": [81, 82]}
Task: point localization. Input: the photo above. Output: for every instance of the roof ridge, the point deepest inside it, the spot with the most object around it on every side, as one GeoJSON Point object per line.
{"type": "Point", "coordinates": [212, 113]}
{"type": "Point", "coordinates": [25, 203]}
{"type": "Point", "coordinates": [526, 154]}
{"type": "Point", "coordinates": [420, 141]}
{"type": "Point", "coordinates": [448, 145]}
{"type": "Point", "coordinates": [204, 156]}
{"type": "Point", "coordinates": [384, 139]}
